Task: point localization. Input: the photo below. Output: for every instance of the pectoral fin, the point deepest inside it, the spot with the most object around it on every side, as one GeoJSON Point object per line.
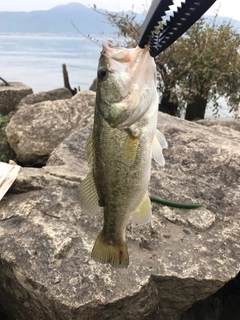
{"type": "Point", "coordinates": [88, 195]}
{"type": "Point", "coordinates": [159, 142]}
{"type": "Point", "coordinates": [130, 149]}
{"type": "Point", "coordinates": [143, 213]}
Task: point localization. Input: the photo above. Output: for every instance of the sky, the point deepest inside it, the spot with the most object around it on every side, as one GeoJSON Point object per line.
{"type": "Point", "coordinates": [227, 8]}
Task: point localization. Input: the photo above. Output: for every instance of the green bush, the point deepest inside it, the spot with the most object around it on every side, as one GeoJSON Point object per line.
{"type": "Point", "coordinates": [6, 153]}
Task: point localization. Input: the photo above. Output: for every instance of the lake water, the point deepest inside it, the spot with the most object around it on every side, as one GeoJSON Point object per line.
{"type": "Point", "coordinates": [36, 60]}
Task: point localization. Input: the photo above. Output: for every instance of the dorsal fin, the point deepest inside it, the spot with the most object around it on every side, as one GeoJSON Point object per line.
{"type": "Point", "coordinates": [89, 149]}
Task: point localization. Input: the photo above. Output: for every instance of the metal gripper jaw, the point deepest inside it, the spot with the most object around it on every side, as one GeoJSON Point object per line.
{"type": "Point", "coordinates": [174, 24]}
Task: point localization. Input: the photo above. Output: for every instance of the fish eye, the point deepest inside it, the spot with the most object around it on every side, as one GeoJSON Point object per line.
{"type": "Point", "coordinates": [102, 72]}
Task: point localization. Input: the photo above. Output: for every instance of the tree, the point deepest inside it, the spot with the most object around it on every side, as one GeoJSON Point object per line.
{"type": "Point", "coordinates": [200, 67]}
{"type": "Point", "coordinates": [212, 67]}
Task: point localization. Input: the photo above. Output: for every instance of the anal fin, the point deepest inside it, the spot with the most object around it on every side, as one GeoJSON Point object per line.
{"type": "Point", "coordinates": [143, 213]}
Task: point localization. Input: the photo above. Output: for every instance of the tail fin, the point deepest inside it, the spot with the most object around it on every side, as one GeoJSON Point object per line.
{"type": "Point", "coordinates": [115, 254]}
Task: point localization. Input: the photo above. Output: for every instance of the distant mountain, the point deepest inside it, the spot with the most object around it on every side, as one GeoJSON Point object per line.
{"type": "Point", "coordinates": [58, 20]}
{"type": "Point", "coordinates": [220, 20]}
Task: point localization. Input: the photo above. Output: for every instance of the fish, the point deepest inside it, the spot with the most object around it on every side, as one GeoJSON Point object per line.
{"type": "Point", "coordinates": [123, 141]}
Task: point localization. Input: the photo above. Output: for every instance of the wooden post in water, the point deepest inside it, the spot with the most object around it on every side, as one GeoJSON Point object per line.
{"type": "Point", "coordinates": [66, 80]}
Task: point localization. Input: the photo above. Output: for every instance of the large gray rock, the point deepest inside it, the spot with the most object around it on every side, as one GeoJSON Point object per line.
{"type": "Point", "coordinates": [35, 130]}
{"type": "Point", "coordinates": [11, 95]}
{"type": "Point", "coordinates": [180, 258]}
{"type": "Point", "coordinates": [51, 95]}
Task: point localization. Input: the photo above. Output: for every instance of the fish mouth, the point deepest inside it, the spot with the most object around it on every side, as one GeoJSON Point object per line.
{"type": "Point", "coordinates": [121, 54]}
{"type": "Point", "coordinates": [114, 52]}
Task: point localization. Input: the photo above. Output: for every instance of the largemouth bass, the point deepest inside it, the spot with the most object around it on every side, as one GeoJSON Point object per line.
{"type": "Point", "coordinates": [120, 148]}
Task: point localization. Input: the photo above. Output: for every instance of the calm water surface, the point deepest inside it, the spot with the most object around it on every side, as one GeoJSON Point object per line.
{"type": "Point", "coordinates": [36, 60]}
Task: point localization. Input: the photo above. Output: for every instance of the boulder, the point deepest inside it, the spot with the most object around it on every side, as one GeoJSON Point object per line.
{"type": "Point", "coordinates": [180, 258]}
{"type": "Point", "coordinates": [11, 95]}
{"type": "Point", "coordinates": [35, 130]}
{"type": "Point", "coordinates": [52, 95]}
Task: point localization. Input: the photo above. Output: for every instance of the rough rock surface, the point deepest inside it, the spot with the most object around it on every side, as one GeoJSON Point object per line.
{"type": "Point", "coordinates": [11, 95]}
{"type": "Point", "coordinates": [35, 130]}
{"type": "Point", "coordinates": [52, 95]}
{"type": "Point", "coordinates": [180, 258]}
{"type": "Point", "coordinates": [234, 124]}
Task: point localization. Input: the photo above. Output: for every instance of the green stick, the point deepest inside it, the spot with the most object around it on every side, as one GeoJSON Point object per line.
{"type": "Point", "coordinates": [175, 204]}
